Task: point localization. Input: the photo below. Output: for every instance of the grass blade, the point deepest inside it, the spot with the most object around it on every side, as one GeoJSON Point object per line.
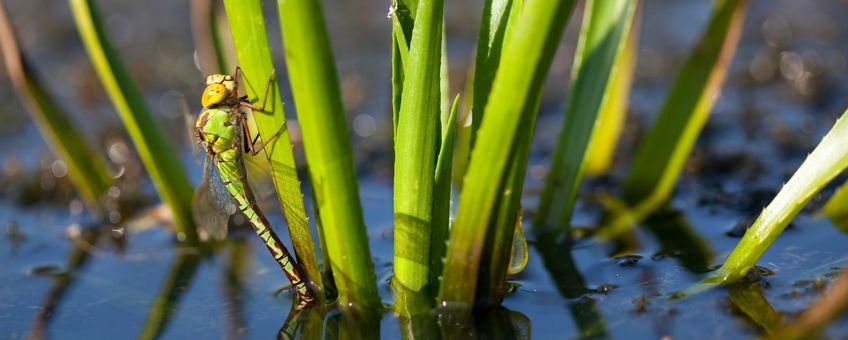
{"type": "Point", "coordinates": [493, 287]}
{"type": "Point", "coordinates": [403, 19]}
{"type": "Point", "coordinates": [416, 147]}
{"type": "Point", "coordinates": [837, 206]}
{"type": "Point", "coordinates": [86, 169]}
{"type": "Point", "coordinates": [826, 161]}
{"type": "Point", "coordinates": [254, 54]}
{"type": "Point", "coordinates": [602, 37]}
{"type": "Point", "coordinates": [317, 97]}
{"type": "Point", "coordinates": [442, 199]}
{"type": "Point", "coordinates": [515, 95]}
{"type": "Point", "coordinates": [497, 16]}
{"type": "Point", "coordinates": [156, 154]}
{"type": "Point", "coordinates": [613, 110]}
{"type": "Point", "coordinates": [661, 155]}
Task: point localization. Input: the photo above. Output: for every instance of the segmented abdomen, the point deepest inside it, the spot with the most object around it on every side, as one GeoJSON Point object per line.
{"type": "Point", "coordinates": [233, 175]}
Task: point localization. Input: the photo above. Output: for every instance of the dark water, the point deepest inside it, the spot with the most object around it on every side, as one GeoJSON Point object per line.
{"type": "Point", "coordinates": [62, 276]}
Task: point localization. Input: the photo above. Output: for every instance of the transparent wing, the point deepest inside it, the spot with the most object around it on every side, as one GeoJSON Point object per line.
{"type": "Point", "coordinates": [258, 171]}
{"type": "Point", "coordinates": [212, 204]}
{"type": "Point", "coordinates": [257, 167]}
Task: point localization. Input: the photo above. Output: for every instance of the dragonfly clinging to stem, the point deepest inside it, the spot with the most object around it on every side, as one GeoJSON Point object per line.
{"type": "Point", "coordinates": [223, 132]}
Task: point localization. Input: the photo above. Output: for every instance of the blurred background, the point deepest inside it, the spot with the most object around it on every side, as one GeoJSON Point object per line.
{"type": "Point", "coordinates": [789, 68]}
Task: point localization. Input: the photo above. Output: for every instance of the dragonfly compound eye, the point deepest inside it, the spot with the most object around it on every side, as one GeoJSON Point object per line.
{"type": "Point", "coordinates": [214, 94]}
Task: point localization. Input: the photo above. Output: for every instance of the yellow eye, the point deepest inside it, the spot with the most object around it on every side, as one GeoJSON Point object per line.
{"type": "Point", "coordinates": [214, 94]}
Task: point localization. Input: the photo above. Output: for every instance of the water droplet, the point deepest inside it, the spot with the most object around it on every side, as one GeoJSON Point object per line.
{"type": "Point", "coordinates": [76, 207]}
{"type": "Point", "coordinates": [117, 232]}
{"type": "Point", "coordinates": [59, 168]}
{"type": "Point", "coordinates": [114, 217]}
{"type": "Point", "coordinates": [114, 192]}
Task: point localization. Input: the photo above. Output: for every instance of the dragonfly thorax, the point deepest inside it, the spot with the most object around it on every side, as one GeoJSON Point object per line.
{"type": "Point", "coordinates": [218, 130]}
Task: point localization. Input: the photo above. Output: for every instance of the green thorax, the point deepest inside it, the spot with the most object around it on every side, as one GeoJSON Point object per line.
{"type": "Point", "coordinates": [219, 130]}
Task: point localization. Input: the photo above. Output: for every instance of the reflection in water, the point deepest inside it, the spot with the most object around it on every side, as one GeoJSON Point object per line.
{"type": "Point", "coordinates": [748, 298]}
{"type": "Point", "coordinates": [678, 240]}
{"type": "Point", "coordinates": [289, 329]}
{"type": "Point", "coordinates": [232, 287]}
{"type": "Point", "coordinates": [556, 255]}
{"type": "Point", "coordinates": [78, 257]}
{"type": "Point", "coordinates": [176, 283]}
{"type": "Point", "coordinates": [350, 324]}
{"type": "Point", "coordinates": [459, 322]}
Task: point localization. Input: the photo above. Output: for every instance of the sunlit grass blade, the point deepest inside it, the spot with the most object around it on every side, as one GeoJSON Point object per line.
{"type": "Point", "coordinates": [497, 16]}
{"type": "Point", "coordinates": [602, 37]}
{"type": "Point", "coordinates": [826, 161]}
{"type": "Point", "coordinates": [254, 55]}
{"type": "Point", "coordinates": [416, 147]}
{"type": "Point", "coordinates": [157, 155]}
{"type": "Point", "coordinates": [326, 143]}
{"type": "Point", "coordinates": [492, 286]}
{"type": "Point", "coordinates": [510, 109]}
{"type": "Point", "coordinates": [500, 243]}
{"type": "Point", "coordinates": [403, 18]}
{"type": "Point", "coordinates": [661, 155]}
{"type": "Point", "coordinates": [837, 206]}
{"type": "Point", "coordinates": [442, 199]}
{"type": "Point", "coordinates": [613, 110]}
{"type": "Point", "coordinates": [86, 169]}
{"type": "Point", "coordinates": [206, 34]}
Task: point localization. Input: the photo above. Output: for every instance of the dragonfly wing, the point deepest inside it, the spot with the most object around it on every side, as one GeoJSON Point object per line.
{"type": "Point", "coordinates": [212, 204]}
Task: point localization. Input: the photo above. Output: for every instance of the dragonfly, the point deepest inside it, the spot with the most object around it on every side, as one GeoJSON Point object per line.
{"type": "Point", "coordinates": [223, 133]}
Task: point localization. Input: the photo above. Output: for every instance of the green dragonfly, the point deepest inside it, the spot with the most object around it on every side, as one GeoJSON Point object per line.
{"type": "Point", "coordinates": [223, 132]}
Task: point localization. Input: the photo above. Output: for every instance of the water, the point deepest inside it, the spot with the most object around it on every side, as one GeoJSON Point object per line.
{"type": "Point", "coordinates": [231, 291]}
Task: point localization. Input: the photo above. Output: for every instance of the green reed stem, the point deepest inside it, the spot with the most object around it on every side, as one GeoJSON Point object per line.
{"type": "Point", "coordinates": [826, 161]}
{"type": "Point", "coordinates": [661, 155]}
{"type": "Point", "coordinates": [326, 142]}
{"type": "Point", "coordinates": [416, 151]}
{"type": "Point", "coordinates": [602, 38]}
{"type": "Point", "coordinates": [86, 168]}
{"type": "Point", "coordinates": [157, 155]}
{"type": "Point", "coordinates": [511, 108]}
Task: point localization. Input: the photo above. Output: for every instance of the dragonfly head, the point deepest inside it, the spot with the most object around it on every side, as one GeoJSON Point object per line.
{"type": "Point", "coordinates": [214, 94]}
{"type": "Point", "coordinates": [218, 88]}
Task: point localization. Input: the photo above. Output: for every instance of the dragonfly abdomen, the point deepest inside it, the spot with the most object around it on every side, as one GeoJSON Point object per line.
{"type": "Point", "coordinates": [233, 177]}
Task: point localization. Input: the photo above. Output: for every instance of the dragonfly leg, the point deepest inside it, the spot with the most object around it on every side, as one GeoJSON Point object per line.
{"type": "Point", "coordinates": [236, 73]}
{"type": "Point", "coordinates": [250, 145]}
{"type": "Point", "coordinates": [265, 98]}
